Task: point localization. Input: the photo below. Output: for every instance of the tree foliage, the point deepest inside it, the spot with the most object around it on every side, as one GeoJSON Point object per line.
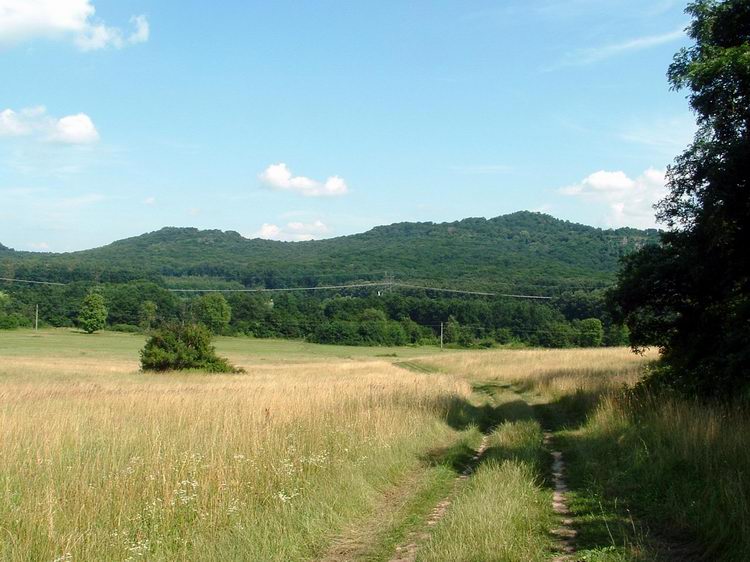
{"type": "Point", "coordinates": [691, 295]}
{"type": "Point", "coordinates": [177, 346]}
{"type": "Point", "coordinates": [93, 314]}
{"type": "Point", "coordinates": [213, 311]}
{"type": "Point", "coordinates": [524, 251]}
{"type": "Point", "coordinates": [147, 315]}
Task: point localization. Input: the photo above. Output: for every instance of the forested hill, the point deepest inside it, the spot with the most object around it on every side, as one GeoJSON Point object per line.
{"type": "Point", "coordinates": [509, 252]}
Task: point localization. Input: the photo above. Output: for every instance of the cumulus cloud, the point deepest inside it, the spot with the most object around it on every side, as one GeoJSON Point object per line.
{"type": "Point", "coordinates": [292, 231]}
{"type": "Point", "coordinates": [279, 177]}
{"type": "Point", "coordinates": [629, 201]}
{"type": "Point", "coordinates": [75, 129]}
{"type": "Point", "coordinates": [36, 122]}
{"type": "Point", "coordinates": [25, 20]}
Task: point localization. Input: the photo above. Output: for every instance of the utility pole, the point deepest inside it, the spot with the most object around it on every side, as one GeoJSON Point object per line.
{"type": "Point", "coordinates": [36, 319]}
{"type": "Point", "coordinates": [441, 336]}
{"type": "Point", "coordinates": [388, 282]}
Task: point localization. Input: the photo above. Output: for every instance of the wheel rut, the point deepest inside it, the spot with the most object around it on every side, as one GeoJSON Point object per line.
{"type": "Point", "coordinates": [564, 532]}
{"type": "Point", "coordinates": [407, 551]}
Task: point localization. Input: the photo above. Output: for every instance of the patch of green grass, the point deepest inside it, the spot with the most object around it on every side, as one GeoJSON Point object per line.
{"type": "Point", "coordinates": [70, 343]}
{"type": "Point", "coordinates": [417, 367]}
{"type": "Point", "coordinates": [679, 466]}
{"type": "Point", "coordinates": [502, 513]}
{"type": "Point", "coordinates": [444, 465]}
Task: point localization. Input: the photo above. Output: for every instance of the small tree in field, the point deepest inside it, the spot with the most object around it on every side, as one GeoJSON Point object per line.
{"type": "Point", "coordinates": [175, 347]}
{"type": "Point", "coordinates": [147, 315]}
{"type": "Point", "coordinates": [93, 313]}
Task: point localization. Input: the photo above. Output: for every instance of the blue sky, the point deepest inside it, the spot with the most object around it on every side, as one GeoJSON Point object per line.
{"type": "Point", "coordinates": [309, 119]}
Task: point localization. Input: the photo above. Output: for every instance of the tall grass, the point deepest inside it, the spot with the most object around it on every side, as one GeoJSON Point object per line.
{"type": "Point", "coordinates": [682, 465]}
{"type": "Point", "coordinates": [99, 465]}
{"type": "Point", "coordinates": [552, 372]}
{"type": "Point", "coordinates": [503, 513]}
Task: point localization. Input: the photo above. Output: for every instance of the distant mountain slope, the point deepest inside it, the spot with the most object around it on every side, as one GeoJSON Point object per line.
{"type": "Point", "coordinates": [522, 249]}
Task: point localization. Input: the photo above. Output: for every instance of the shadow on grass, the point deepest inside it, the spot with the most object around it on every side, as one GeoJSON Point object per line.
{"type": "Point", "coordinates": [568, 412]}
{"type": "Point", "coordinates": [462, 415]}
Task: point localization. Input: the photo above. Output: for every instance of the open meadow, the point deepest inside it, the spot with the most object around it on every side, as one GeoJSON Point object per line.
{"type": "Point", "coordinates": [339, 453]}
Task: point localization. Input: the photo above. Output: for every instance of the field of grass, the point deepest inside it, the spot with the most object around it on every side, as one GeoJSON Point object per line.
{"type": "Point", "coordinates": [653, 476]}
{"type": "Point", "coordinates": [337, 453]}
{"type": "Point", "coordinates": [98, 461]}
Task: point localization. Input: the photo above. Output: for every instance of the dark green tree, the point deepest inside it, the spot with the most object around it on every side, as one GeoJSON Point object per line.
{"type": "Point", "coordinates": [213, 311]}
{"type": "Point", "coordinates": [93, 313]}
{"type": "Point", "coordinates": [176, 347]}
{"type": "Point", "coordinates": [590, 332]}
{"type": "Point", "coordinates": [451, 330]}
{"type": "Point", "coordinates": [690, 296]}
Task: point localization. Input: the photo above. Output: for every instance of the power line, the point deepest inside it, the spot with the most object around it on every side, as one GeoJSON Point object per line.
{"type": "Point", "coordinates": [479, 293]}
{"type": "Point", "coordinates": [387, 283]}
{"type": "Point", "coordinates": [264, 290]}
{"type": "Point", "coordinates": [9, 280]}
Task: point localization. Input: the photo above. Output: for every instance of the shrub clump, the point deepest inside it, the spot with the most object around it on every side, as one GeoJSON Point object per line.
{"type": "Point", "coordinates": [176, 347]}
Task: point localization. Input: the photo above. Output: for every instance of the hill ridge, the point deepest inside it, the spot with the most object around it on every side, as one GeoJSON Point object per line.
{"type": "Point", "coordinates": [478, 252]}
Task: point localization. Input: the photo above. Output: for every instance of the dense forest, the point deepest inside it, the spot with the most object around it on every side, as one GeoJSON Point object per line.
{"type": "Point", "coordinates": [524, 252]}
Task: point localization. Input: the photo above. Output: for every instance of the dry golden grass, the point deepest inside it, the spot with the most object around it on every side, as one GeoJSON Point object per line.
{"type": "Point", "coordinates": [99, 462]}
{"type": "Point", "coordinates": [551, 372]}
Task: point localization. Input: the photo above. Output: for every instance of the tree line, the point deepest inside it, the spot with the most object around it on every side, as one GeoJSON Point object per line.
{"type": "Point", "coordinates": [362, 317]}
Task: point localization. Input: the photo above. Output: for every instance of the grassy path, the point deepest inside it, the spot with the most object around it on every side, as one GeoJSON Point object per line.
{"type": "Point", "coordinates": [407, 551]}
{"type": "Point", "coordinates": [402, 511]}
{"type": "Point", "coordinates": [483, 498]}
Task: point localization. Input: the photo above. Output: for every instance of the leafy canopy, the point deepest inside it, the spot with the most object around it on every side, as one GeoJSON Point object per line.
{"type": "Point", "coordinates": [177, 346]}
{"type": "Point", "coordinates": [213, 311]}
{"type": "Point", "coordinates": [691, 295]}
{"type": "Point", "coordinates": [93, 313]}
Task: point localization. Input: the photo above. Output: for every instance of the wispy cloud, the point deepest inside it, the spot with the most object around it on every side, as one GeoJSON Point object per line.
{"type": "Point", "coordinates": [667, 136]}
{"type": "Point", "coordinates": [482, 169]}
{"type": "Point", "coordinates": [592, 55]}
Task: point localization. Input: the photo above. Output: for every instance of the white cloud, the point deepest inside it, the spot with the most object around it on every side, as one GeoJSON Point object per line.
{"type": "Point", "coordinates": [19, 123]}
{"type": "Point", "coordinates": [583, 57]}
{"type": "Point", "coordinates": [11, 124]}
{"type": "Point", "coordinates": [292, 231]}
{"type": "Point", "coordinates": [142, 30]}
{"type": "Point", "coordinates": [629, 202]}
{"type": "Point", "coordinates": [25, 20]}
{"type": "Point", "coordinates": [39, 246]}
{"type": "Point", "coordinates": [75, 129]}
{"type": "Point", "coordinates": [279, 177]}
{"type": "Point", "coordinates": [36, 122]}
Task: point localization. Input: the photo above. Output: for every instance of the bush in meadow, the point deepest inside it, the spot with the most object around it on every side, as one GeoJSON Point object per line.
{"type": "Point", "coordinates": [175, 347]}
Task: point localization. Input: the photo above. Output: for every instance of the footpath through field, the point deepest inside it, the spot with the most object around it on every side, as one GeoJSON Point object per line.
{"type": "Point", "coordinates": [501, 491]}
{"type": "Point", "coordinates": [487, 496]}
